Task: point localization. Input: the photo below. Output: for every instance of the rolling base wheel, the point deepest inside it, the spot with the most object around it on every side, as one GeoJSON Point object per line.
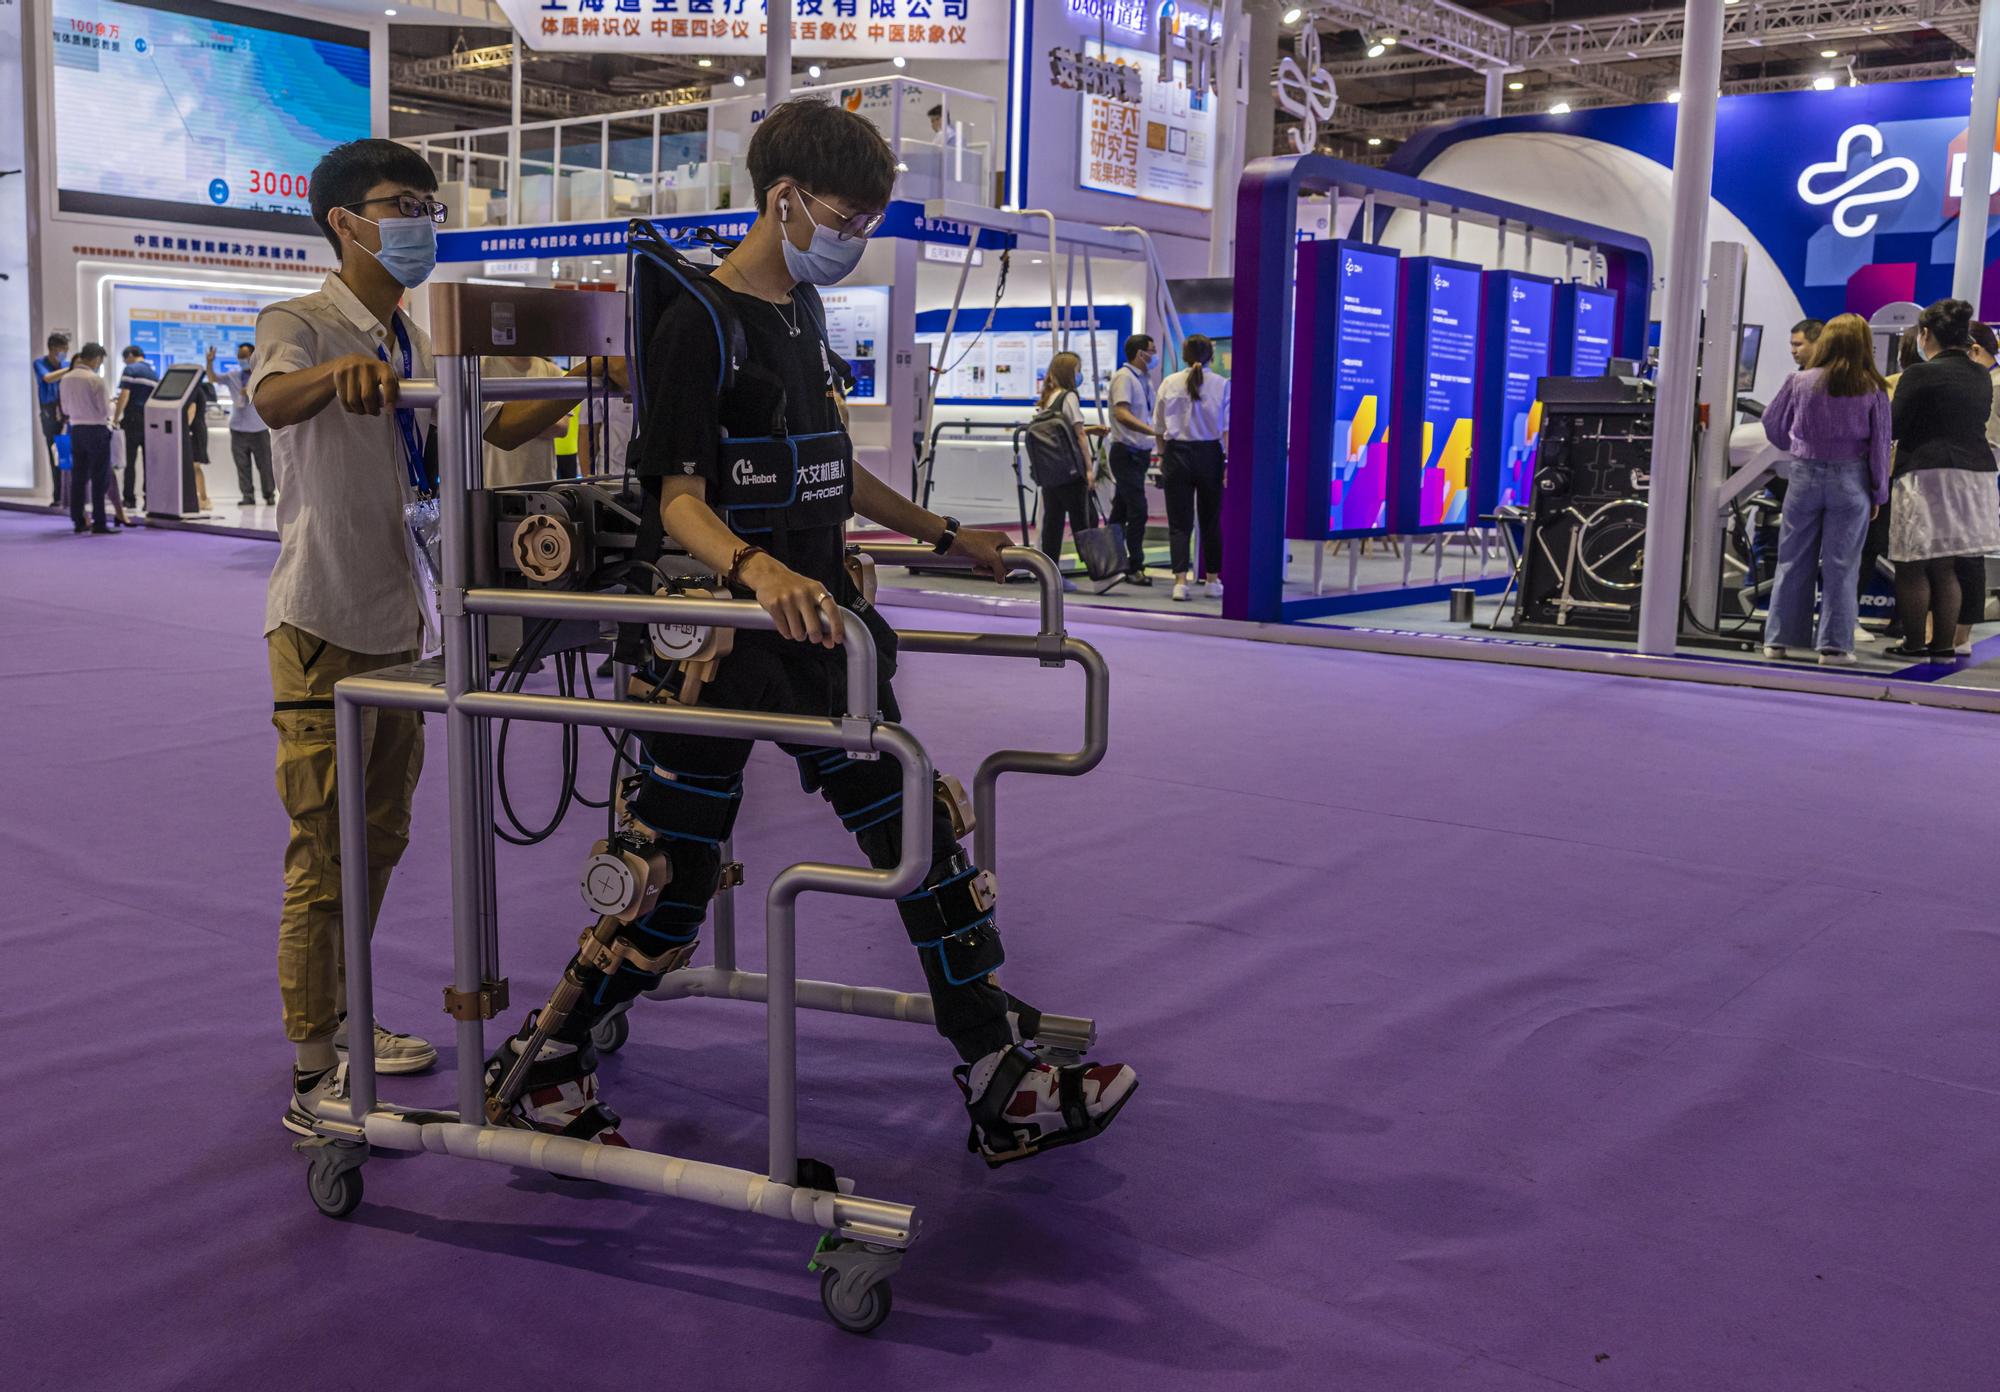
{"type": "Point", "coordinates": [854, 1281]}
{"type": "Point", "coordinates": [610, 1033]}
{"type": "Point", "coordinates": [335, 1192]}
{"type": "Point", "coordinates": [858, 1312]}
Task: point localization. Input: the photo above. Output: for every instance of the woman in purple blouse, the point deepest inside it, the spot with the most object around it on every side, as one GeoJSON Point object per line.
{"type": "Point", "coordinates": [1833, 419]}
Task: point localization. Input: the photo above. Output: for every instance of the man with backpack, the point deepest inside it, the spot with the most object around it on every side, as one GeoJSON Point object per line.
{"type": "Point", "coordinates": [756, 480]}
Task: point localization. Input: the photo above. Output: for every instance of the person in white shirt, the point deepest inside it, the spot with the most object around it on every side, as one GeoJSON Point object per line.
{"type": "Point", "coordinates": [249, 438]}
{"type": "Point", "coordinates": [1132, 441]}
{"type": "Point", "coordinates": [86, 401]}
{"type": "Point", "coordinates": [534, 460]}
{"type": "Point", "coordinates": [1191, 419]}
{"type": "Point", "coordinates": [347, 592]}
{"type": "Point", "coordinates": [947, 135]}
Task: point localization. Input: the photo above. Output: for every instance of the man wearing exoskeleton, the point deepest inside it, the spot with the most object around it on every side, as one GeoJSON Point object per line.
{"type": "Point", "coordinates": [756, 485]}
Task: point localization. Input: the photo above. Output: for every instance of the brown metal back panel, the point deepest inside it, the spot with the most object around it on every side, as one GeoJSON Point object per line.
{"type": "Point", "coordinates": [523, 321]}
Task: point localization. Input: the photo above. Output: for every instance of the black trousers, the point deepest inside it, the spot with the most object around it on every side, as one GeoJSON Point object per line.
{"type": "Point", "coordinates": [52, 426]}
{"type": "Point", "coordinates": [135, 445]}
{"type": "Point", "coordinates": [1971, 589]}
{"type": "Point", "coordinates": [1063, 500]}
{"type": "Point", "coordinates": [1128, 502]}
{"type": "Point", "coordinates": [690, 778]}
{"type": "Point", "coordinates": [247, 447]}
{"type": "Point", "coordinates": [90, 471]}
{"type": "Point", "coordinates": [1191, 474]}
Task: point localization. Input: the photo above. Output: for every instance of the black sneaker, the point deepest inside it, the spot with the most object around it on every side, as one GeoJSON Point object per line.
{"type": "Point", "coordinates": [1137, 577]}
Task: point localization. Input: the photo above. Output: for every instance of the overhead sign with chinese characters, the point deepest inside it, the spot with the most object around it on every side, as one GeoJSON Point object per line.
{"type": "Point", "coordinates": [820, 28]}
{"type": "Point", "coordinates": [1096, 76]}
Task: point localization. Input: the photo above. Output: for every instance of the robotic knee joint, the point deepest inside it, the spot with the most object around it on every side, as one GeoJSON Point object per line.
{"type": "Point", "coordinates": [951, 921]}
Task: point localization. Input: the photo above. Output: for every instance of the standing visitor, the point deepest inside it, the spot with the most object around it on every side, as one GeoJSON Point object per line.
{"type": "Point", "coordinates": [136, 383]}
{"type": "Point", "coordinates": [86, 404]}
{"type": "Point", "coordinates": [1132, 440]}
{"type": "Point", "coordinates": [1063, 487]}
{"type": "Point", "coordinates": [1805, 334]}
{"type": "Point", "coordinates": [49, 369]}
{"type": "Point", "coordinates": [1191, 418]}
{"type": "Point", "coordinates": [249, 438]}
{"type": "Point", "coordinates": [1833, 419]}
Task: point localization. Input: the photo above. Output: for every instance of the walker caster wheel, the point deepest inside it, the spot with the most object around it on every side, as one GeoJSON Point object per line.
{"type": "Point", "coordinates": [857, 1311]}
{"type": "Point", "coordinates": [610, 1033]}
{"type": "Point", "coordinates": [334, 1193]}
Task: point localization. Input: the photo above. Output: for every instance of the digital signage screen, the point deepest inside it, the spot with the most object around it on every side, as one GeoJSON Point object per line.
{"type": "Point", "coordinates": [1587, 330]}
{"type": "Point", "coordinates": [1344, 371]}
{"type": "Point", "coordinates": [186, 111]}
{"type": "Point", "coordinates": [1519, 339]}
{"type": "Point", "coordinates": [1436, 377]}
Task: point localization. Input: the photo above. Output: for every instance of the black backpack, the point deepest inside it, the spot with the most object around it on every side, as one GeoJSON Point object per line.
{"type": "Point", "coordinates": [1050, 442]}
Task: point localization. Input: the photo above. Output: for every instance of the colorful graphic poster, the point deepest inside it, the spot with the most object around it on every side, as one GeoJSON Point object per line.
{"type": "Point", "coordinates": [857, 328]}
{"type": "Point", "coordinates": [1445, 310]}
{"type": "Point", "coordinates": [1000, 362]}
{"type": "Point", "coordinates": [1163, 149]}
{"type": "Point", "coordinates": [1364, 374]}
{"type": "Point", "coordinates": [226, 110]}
{"type": "Point", "coordinates": [1520, 314]}
{"type": "Point", "coordinates": [1593, 331]}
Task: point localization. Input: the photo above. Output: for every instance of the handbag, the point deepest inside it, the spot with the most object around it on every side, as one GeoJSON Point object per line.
{"type": "Point", "coordinates": [1101, 546]}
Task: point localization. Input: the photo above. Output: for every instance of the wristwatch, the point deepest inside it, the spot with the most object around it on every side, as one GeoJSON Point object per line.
{"type": "Point", "coordinates": [942, 546]}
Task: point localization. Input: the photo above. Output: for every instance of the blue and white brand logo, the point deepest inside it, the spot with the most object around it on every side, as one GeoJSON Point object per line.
{"type": "Point", "coordinates": [1351, 266]}
{"type": "Point", "coordinates": [1876, 181]}
{"type": "Point", "coordinates": [1438, 282]}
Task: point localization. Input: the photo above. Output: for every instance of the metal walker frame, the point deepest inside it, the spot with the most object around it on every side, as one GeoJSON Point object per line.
{"type": "Point", "coordinates": [863, 1239]}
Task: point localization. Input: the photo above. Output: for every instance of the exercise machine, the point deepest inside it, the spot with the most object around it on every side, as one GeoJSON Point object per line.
{"type": "Point", "coordinates": [535, 553]}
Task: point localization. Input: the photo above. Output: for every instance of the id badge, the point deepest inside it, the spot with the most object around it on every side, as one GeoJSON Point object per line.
{"type": "Point", "coordinates": [422, 535]}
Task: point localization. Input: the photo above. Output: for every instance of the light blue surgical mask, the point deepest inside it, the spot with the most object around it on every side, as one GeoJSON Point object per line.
{"type": "Point", "coordinates": [409, 249]}
{"type": "Point", "coordinates": [826, 259]}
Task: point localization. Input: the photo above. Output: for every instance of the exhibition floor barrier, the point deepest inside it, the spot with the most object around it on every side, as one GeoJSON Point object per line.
{"type": "Point", "coordinates": [1511, 1032]}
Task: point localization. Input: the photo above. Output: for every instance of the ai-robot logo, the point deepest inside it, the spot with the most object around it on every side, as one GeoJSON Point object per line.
{"type": "Point", "coordinates": [1887, 181]}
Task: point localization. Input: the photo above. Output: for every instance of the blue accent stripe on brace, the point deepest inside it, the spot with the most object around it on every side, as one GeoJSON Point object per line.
{"type": "Point", "coordinates": [848, 817]}
{"type": "Point", "coordinates": [929, 890]}
{"type": "Point", "coordinates": [664, 936]}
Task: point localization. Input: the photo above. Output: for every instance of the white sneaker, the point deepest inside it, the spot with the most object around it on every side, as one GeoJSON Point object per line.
{"type": "Point", "coordinates": [1180, 591]}
{"type": "Point", "coordinates": [1774, 652]}
{"type": "Point", "coordinates": [1837, 659]}
{"type": "Point", "coordinates": [394, 1053]}
{"type": "Point", "coordinates": [303, 1115]}
{"type": "Point", "coordinates": [1963, 650]}
{"type": "Point", "coordinates": [1862, 635]}
{"type": "Point", "coordinates": [1215, 589]}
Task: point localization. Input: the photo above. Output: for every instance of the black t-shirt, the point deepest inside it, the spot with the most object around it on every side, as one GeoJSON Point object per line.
{"type": "Point", "coordinates": [685, 423]}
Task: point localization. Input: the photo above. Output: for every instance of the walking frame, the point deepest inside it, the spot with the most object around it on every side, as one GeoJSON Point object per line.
{"type": "Point", "coordinates": [863, 1239]}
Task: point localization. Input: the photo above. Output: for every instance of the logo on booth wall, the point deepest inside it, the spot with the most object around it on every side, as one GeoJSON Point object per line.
{"type": "Point", "coordinates": [1304, 88]}
{"type": "Point", "coordinates": [1876, 181]}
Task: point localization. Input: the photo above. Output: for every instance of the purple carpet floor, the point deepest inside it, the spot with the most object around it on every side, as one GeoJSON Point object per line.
{"type": "Point", "coordinates": [1500, 1030]}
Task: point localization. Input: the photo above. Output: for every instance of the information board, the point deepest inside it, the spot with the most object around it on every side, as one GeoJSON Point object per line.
{"type": "Point", "coordinates": [180, 323]}
{"type": "Point", "coordinates": [1586, 333]}
{"type": "Point", "coordinates": [1517, 353]}
{"type": "Point", "coordinates": [1162, 150]}
{"type": "Point", "coordinates": [1430, 433]}
{"type": "Point", "coordinates": [857, 328]}
{"type": "Point", "coordinates": [190, 111]}
{"type": "Point", "coordinates": [1003, 365]}
{"type": "Point", "coordinates": [1343, 373]}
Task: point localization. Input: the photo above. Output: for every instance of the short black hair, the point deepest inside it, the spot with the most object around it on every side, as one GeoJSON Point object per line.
{"type": "Point", "coordinates": [1983, 335]}
{"type": "Point", "coordinates": [1137, 344]}
{"type": "Point", "coordinates": [132, 351]}
{"type": "Point", "coordinates": [58, 339]}
{"type": "Point", "coordinates": [937, 110]}
{"type": "Point", "coordinates": [345, 173]}
{"type": "Point", "coordinates": [90, 351]}
{"type": "Point", "coordinates": [828, 150]}
{"type": "Point", "coordinates": [1810, 328]}
{"type": "Point", "coordinates": [1949, 322]}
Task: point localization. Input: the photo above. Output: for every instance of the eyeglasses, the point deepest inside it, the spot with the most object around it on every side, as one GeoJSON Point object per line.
{"type": "Point", "coordinates": [847, 228]}
{"type": "Point", "coordinates": [408, 205]}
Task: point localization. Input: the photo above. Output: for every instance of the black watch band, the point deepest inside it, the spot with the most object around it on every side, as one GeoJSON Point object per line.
{"type": "Point", "coordinates": [942, 546]}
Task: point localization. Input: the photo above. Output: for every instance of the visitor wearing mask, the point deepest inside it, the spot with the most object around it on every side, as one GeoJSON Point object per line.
{"type": "Point", "coordinates": [249, 439]}
{"type": "Point", "coordinates": [1833, 419]}
{"type": "Point", "coordinates": [1947, 506]}
{"type": "Point", "coordinates": [1191, 418]}
{"type": "Point", "coordinates": [349, 593]}
{"type": "Point", "coordinates": [1131, 454]}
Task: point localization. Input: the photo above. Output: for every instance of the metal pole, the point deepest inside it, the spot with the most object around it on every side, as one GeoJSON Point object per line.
{"type": "Point", "coordinates": [1968, 269]}
{"type": "Point", "coordinates": [1680, 328]}
{"type": "Point", "coordinates": [514, 138]}
{"type": "Point", "coordinates": [461, 754]}
{"type": "Point", "coordinates": [778, 54]}
{"type": "Point", "coordinates": [1496, 84]}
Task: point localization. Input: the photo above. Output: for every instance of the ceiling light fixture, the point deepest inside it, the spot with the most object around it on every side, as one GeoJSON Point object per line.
{"type": "Point", "coordinates": [1376, 50]}
{"type": "Point", "coordinates": [813, 71]}
{"type": "Point", "coordinates": [736, 78]}
{"type": "Point", "coordinates": [1823, 83]}
{"type": "Point", "coordinates": [1516, 86]}
{"type": "Point", "coordinates": [704, 62]}
{"type": "Point", "coordinates": [1965, 68]}
{"type": "Point", "coordinates": [900, 61]}
{"type": "Point", "coordinates": [1675, 95]}
{"type": "Point", "coordinates": [1374, 140]}
{"type": "Point", "coordinates": [1388, 41]}
{"type": "Point", "coordinates": [1829, 53]}
{"type": "Point", "coordinates": [390, 13]}
{"type": "Point", "coordinates": [1561, 108]}
{"type": "Point", "coordinates": [1294, 15]}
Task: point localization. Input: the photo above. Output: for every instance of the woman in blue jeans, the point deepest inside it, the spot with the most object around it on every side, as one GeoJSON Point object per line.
{"type": "Point", "coordinates": [1833, 419]}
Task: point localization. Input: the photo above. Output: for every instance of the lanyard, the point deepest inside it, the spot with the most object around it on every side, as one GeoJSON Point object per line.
{"type": "Point", "coordinates": [406, 419]}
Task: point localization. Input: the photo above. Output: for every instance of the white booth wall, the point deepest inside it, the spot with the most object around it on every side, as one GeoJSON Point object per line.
{"type": "Point", "coordinates": [1597, 183]}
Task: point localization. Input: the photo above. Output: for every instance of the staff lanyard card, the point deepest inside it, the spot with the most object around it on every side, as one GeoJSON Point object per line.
{"type": "Point", "coordinates": [421, 532]}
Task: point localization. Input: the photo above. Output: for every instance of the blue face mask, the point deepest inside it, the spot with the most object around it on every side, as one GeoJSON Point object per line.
{"type": "Point", "coordinates": [409, 249]}
{"type": "Point", "coordinates": [826, 259]}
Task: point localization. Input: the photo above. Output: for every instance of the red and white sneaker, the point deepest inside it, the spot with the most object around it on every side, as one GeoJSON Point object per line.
{"type": "Point", "coordinates": [1021, 1106]}
{"type": "Point", "coordinates": [561, 1093]}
